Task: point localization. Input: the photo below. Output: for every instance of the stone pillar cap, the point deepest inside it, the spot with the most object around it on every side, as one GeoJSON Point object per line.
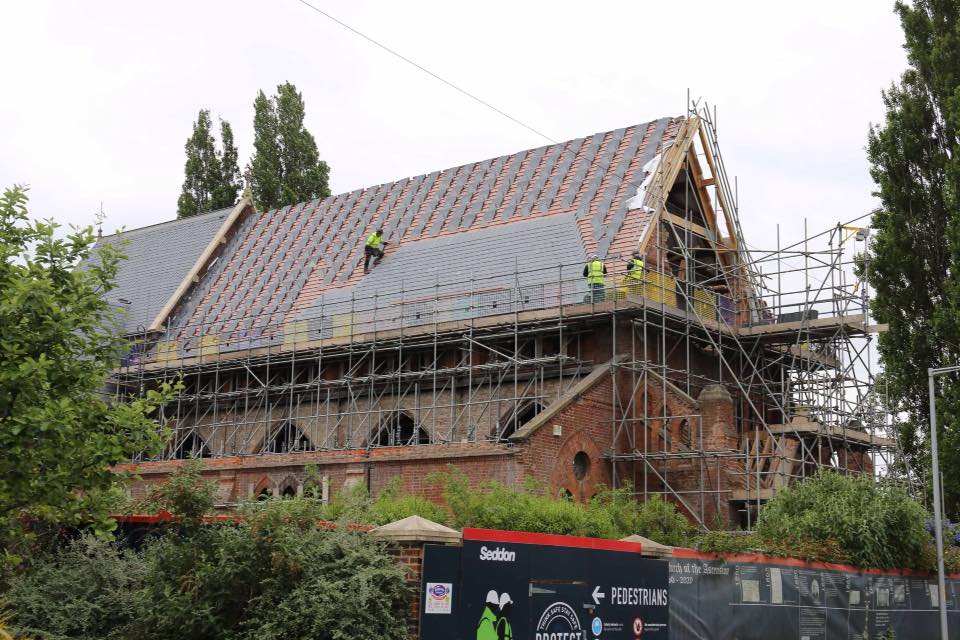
{"type": "Point", "coordinates": [649, 547]}
{"type": "Point", "coordinates": [714, 392]}
{"type": "Point", "coordinates": [416, 529]}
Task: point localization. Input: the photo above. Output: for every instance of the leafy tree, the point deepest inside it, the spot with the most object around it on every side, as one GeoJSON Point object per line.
{"type": "Point", "coordinates": [286, 166]}
{"type": "Point", "coordinates": [211, 176]}
{"type": "Point", "coordinates": [231, 181]}
{"type": "Point", "coordinates": [59, 341]}
{"type": "Point", "coordinates": [914, 257]}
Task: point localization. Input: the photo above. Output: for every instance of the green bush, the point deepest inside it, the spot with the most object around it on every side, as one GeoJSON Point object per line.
{"type": "Point", "coordinates": [611, 513]}
{"type": "Point", "coordinates": [875, 524]}
{"type": "Point", "coordinates": [272, 577]}
{"type": "Point", "coordinates": [392, 505]}
{"type": "Point", "coordinates": [185, 493]}
{"type": "Point", "coordinates": [654, 518]}
{"type": "Point", "coordinates": [84, 591]}
{"type": "Point", "coordinates": [274, 574]}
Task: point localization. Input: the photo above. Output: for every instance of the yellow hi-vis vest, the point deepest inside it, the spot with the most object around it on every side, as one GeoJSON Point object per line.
{"type": "Point", "coordinates": [374, 240]}
{"type": "Point", "coordinates": [637, 272]}
{"type": "Point", "coordinates": [595, 272]}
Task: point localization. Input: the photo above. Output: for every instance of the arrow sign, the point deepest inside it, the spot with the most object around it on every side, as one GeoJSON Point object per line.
{"type": "Point", "coordinates": [597, 595]}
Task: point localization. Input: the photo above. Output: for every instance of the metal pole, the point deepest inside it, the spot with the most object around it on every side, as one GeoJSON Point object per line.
{"type": "Point", "coordinates": [937, 521]}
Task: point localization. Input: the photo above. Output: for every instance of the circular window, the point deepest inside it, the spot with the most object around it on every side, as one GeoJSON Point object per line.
{"type": "Point", "coordinates": [581, 465]}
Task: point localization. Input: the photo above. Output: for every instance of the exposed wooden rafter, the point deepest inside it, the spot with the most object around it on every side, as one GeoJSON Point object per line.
{"type": "Point", "coordinates": [243, 208]}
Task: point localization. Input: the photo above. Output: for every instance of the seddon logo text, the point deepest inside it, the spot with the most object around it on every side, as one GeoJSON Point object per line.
{"type": "Point", "coordinates": [498, 554]}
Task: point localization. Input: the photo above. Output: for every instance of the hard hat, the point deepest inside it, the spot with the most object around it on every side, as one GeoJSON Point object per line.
{"type": "Point", "coordinates": [492, 598]}
{"type": "Point", "coordinates": [505, 599]}
{"type": "Point", "coordinates": [594, 257]}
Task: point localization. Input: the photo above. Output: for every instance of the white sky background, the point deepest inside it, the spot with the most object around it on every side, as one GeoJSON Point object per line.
{"type": "Point", "coordinates": [99, 97]}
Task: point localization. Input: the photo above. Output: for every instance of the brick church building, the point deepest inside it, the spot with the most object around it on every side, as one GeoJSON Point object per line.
{"type": "Point", "coordinates": [477, 342]}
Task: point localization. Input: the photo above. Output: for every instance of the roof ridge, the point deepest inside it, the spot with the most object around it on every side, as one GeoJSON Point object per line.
{"type": "Point", "coordinates": [491, 159]}
{"type": "Point", "coordinates": [205, 214]}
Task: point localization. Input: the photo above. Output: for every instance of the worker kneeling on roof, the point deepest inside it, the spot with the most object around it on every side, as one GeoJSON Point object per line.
{"type": "Point", "coordinates": [595, 272]}
{"type": "Point", "coordinates": [373, 249]}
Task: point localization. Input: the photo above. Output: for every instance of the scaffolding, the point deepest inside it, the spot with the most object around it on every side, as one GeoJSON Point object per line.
{"type": "Point", "coordinates": [784, 332]}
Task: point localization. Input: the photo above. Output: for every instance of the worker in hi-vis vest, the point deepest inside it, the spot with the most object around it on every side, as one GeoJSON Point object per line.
{"type": "Point", "coordinates": [595, 272]}
{"type": "Point", "coordinates": [504, 629]}
{"type": "Point", "coordinates": [634, 278]}
{"type": "Point", "coordinates": [373, 249]}
{"type": "Point", "coordinates": [487, 627]}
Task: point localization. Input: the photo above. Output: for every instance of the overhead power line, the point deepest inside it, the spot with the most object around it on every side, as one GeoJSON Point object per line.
{"type": "Point", "coordinates": [481, 101]}
{"type": "Point", "coordinates": [453, 86]}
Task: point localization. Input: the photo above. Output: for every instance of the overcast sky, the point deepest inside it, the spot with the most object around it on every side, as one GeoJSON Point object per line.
{"type": "Point", "coordinates": [99, 96]}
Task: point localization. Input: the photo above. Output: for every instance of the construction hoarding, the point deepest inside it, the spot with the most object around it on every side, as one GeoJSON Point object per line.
{"type": "Point", "coordinates": [752, 596]}
{"type": "Point", "coordinates": [543, 587]}
{"type": "Point", "coordinates": [516, 586]}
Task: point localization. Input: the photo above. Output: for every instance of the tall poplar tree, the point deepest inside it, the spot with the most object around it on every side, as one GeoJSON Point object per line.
{"type": "Point", "coordinates": [211, 176]}
{"type": "Point", "coordinates": [231, 182]}
{"type": "Point", "coordinates": [914, 258]}
{"type": "Point", "coordinates": [286, 166]}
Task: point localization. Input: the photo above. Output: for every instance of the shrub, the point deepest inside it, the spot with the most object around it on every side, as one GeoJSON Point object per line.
{"type": "Point", "coordinates": [875, 524]}
{"type": "Point", "coordinates": [83, 591]}
{"type": "Point", "coordinates": [392, 505]}
{"type": "Point", "coordinates": [185, 494]}
{"type": "Point", "coordinates": [654, 518]}
{"type": "Point", "coordinates": [274, 575]}
{"type": "Point", "coordinates": [611, 513]}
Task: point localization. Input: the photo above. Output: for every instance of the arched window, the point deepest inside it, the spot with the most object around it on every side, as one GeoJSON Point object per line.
{"type": "Point", "coordinates": [399, 429]}
{"type": "Point", "coordinates": [512, 421]}
{"type": "Point", "coordinates": [190, 445]}
{"type": "Point", "coordinates": [286, 438]}
{"type": "Point", "coordinates": [288, 488]}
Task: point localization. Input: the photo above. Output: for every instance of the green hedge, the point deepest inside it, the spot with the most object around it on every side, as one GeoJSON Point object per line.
{"type": "Point", "coordinates": [611, 514]}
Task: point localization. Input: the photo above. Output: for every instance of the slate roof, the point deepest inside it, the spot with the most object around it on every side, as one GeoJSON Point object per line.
{"type": "Point", "coordinates": [158, 259]}
{"type": "Point", "coordinates": [283, 264]}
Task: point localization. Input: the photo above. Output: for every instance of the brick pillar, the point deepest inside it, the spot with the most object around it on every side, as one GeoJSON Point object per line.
{"type": "Point", "coordinates": [719, 427]}
{"type": "Point", "coordinates": [719, 433]}
{"type": "Point", "coordinates": [406, 539]}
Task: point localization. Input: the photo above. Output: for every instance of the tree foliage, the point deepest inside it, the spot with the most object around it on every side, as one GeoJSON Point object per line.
{"type": "Point", "coordinates": [211, 177]}
{"type": "Point", "coordinates": [268, 576]}
{"type": "Point", "coordinates": [59, 341]}
{"type": "Point", "coordinates": [286, 166]}
{"type": "Point", "coordinates": [877, 524]}
{"type": "Point", "coordinates": [839, 518]}
{"type": "Point", "coordinates": [184, 493]}
{"type": "Point", "coordinates": [915, 250]}
{"type": "Point", "coordinates": [82, 591]}
{"type": "Point", "coordinates": [611, 513]}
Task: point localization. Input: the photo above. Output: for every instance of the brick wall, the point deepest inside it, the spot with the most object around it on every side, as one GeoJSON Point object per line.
{"type": "Point", "coordinates": [410, 556]}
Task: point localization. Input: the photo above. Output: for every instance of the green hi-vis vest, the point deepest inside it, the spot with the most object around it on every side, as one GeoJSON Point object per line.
{"type": "Point", "coordinates": [595, 272]}
{"type": "Point", "coordinates": [507, 629]}
{"type": "Point", "coordinates": [374, 240]}
{"type": "Point", "coordinates": [487, 627]}
{"type": "Point", "coordinates": [636, 273]}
